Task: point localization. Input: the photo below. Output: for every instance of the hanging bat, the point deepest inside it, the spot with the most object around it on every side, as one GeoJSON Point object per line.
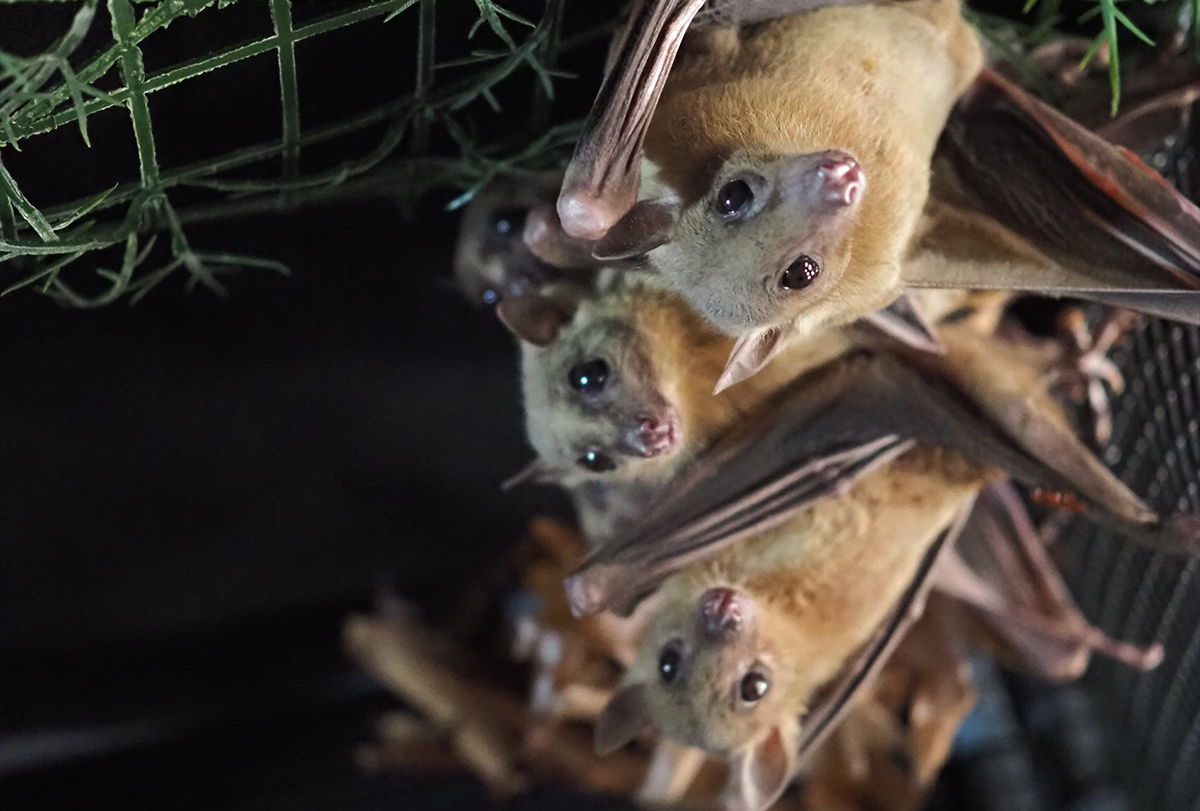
{"type": "Point", "coordinates": [983, 398]}
{"type": "Point", "coordinates": [756, 654]}
{"type": "Point", "coordinates": [617, 384]}
{"type": "Point", "coordinates": [775, 243]}
{"type": "Point", "coordinates": [742, 642]}
{"type": "Point", "coordinates": [491, 259]}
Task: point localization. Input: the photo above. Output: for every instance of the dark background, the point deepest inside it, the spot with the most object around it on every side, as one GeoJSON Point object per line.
{"type": "Point", "coordinates": [195, 492]}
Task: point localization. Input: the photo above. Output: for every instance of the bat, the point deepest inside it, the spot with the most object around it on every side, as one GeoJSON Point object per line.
{"type": "Point", "coordinates": [710, 213]}
{"type": "Point", "coordinates": [617, 382]}
{"type": "Point", "coordinates": [742, 643]}
{"type": "Point", "coordinates": [983, 399]}
{"type": "Point", "coordinates": [757, 654]}
{"type": "Point", "coordinates": [491, 259]}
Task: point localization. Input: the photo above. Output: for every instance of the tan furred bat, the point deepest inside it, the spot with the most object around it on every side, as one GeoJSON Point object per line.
{"type": "Point", "coordinates": [786, 166]}
{"type": "Point", "coordinates": [617, 384]}
{"type": "Point", "coordinates": [742, 642]}
{"type": "Point", "coordinates": [794, 237]}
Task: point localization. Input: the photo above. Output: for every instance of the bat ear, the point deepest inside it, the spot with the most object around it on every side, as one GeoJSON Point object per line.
{"type": "Point", "coordinates": [625, 715]}
{"type": "Point", "coordinates": [644, 227]}
{"type": "Point", "coordinates": [534, 318]}
{"type": "Point", "coordinates": [750, 354]}
{"type": "Point", "coordinates": [539, 470]}
{"type": "Point", "coordinates": [760, 774]}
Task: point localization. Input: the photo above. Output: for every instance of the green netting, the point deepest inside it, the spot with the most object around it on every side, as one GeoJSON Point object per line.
{"type": "Point", "coordinates": [38, 94]}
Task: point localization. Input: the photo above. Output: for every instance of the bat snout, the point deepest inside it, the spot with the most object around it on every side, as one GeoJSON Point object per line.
{"type": "Point", "coordinates": [830, 180]}
{"type": "Point", "coordinates": [841, 179]}
{"type": "Point", "coordinates": [656, 435]}
{"type": "Point", "coordinates": [722, 612]}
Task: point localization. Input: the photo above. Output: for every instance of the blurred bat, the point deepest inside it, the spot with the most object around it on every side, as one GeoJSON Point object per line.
{"type": "Point", "coordinates": [491, 259]}
{"type": "Point", "coordinates": [769, 237]}
{"type": "Point", "coordinates": [983, 398]}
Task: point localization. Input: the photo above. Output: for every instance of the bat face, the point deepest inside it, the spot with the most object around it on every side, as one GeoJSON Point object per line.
{"type": "Point", "coordinates": [490, 259]}
{"type": "Point", "coordinates": [768, 240]}
{"type": "Point", "coordinates": [594, 401]}
{"type": "Point", "coordinates": [714, 673]}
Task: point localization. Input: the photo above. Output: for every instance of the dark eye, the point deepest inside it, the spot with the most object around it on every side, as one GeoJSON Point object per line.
{"type": "Point", "coordinates": [596, 462]}
{"type": "Point", "coordinates": [668, 662]}
{"type": "Point", "coordinates": [589, 376]}
{"type": "Point", "coordinates": [507, 221]}
{"type": "Point", "coordinates": [753, 687]}
{"type": "Point", "coordinates": [734, 198]}
{"type": "Point", "coordinates": [800, 274]}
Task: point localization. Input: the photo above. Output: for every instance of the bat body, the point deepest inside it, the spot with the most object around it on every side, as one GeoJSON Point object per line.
{"type": "Point", "coordinates": [984, 398]}
{"type": "Point", "coordinates": [770, 239]}
{"type": "Point", "coordinates": [781, 178]}
{"type": "Point", "coordinates": [743, 642]}
{"type": "Point", "coordinates": [621, 397]}
{"type": "Point", "coordinates": [620, 400]}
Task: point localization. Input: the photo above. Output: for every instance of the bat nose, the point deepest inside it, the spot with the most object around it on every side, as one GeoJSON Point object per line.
{"type": "Point", "coordinates": [841, 177]}
{"type": "Point", "coordinates": [655, 436]}
{"type": "Point", "coordinates": [720, 611]}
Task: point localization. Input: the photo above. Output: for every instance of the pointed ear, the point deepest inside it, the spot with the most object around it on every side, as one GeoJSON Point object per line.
{"type": "Point", "coordinates": [759, 775]}
{"type": "Point", "coordinates": [644, 227]}
{"type": "Point", "coordinates": [539, 470]}
{"type": "Point", "coordinates": [750, 354]}
{"type": "Point", "coordinates": [625, 715]}
{"type": "Point", "coordinates": [533, 317]}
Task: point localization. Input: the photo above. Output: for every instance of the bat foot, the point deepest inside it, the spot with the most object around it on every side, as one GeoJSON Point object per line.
{"type": "Point", "coordinates": [1086, 372]}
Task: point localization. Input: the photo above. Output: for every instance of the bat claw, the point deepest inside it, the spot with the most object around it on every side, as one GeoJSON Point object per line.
{"type": "Point", "coordinates": [1086, 368]}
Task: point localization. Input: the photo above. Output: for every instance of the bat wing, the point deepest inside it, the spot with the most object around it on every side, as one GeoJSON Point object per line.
{"type": "Point", "coordinates": [1106, 222]}
{"type": "Point", "coordinates": [838, 697]}
{"type": "Point", "coordinates": [826, 431]}
{"type": "Point", "coordinates": [601, 181]}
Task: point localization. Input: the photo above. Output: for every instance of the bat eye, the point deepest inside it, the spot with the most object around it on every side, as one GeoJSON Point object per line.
{"type": "Point", "coordinates": [589, 376]}
{"type": "Point", "coordinates": [596, 462]}
{"type": "Point", "coordinates": [753, 687]}
{"type": "Point", "coordinates": [490, 296]}
{"type": "Point", "coordinates": [508, 221]}
{"type": "Point", "coordinates": [734, 198]}
{"type": "Point", "coordinates": [668, 662]}
{"type": "Point", "coordinates": [800, 274]}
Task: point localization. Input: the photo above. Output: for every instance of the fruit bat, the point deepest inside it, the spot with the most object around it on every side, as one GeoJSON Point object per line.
{"type": "Point", "coordinates": [618, 382]}
{"type": "Point", "coordinates": [983, 398]}
{"type": "Point", "coordinates": [491, 259]}
{"type": "Point", "coordinates": [773, 200]}
{"type": "Point", "coordinates": [756, 654]}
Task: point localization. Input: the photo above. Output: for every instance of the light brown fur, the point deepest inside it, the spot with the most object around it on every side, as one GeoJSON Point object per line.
{"type": "Point", "coordinates": [661, 352]}
{"type": "Point", "coordinates": [874, 81]}
{"type": "Point", "coordinates": [819, 585]}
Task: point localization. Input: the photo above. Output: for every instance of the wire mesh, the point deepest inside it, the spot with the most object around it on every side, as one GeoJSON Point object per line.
{"type": "Point", "coordinates": [54, 237]}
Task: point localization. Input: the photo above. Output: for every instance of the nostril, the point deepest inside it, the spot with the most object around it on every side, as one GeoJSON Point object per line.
{"type": "Point", "coordinates": [720, 611]}
{"type": "Point", "coordinates": [841, 180]}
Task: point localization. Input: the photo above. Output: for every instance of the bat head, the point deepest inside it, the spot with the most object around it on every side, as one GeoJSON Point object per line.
{"type": "Point", "coordinates": [492, 259]}
{"type": "Point", "coordinates": [597, 399]}
{"type": "Point", "coordinates": [709, 674]}
{"type": "Point", "coordinates": [764, 244]}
